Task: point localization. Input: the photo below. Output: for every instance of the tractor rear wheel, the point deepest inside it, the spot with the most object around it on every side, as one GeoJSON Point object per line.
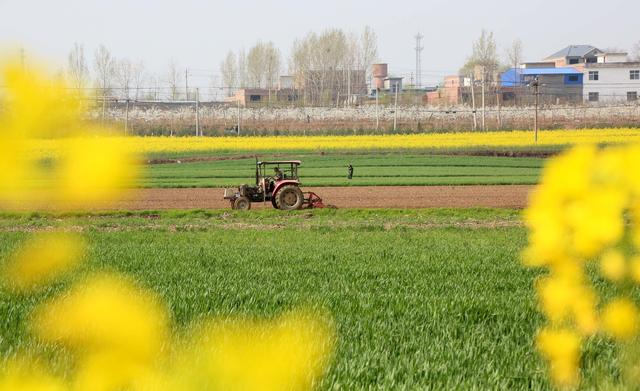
{"type": "Point", "coordinates": [290, 197]}
{"type": "Point", "coordinates": [241, 203]}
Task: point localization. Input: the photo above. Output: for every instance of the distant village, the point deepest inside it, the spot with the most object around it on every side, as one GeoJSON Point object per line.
{"type": "Point", "coordinates": [575, 74]}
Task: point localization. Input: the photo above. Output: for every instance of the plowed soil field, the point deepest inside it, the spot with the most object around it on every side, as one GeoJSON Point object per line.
{"type": "Point", "coordinates": [512, 196]}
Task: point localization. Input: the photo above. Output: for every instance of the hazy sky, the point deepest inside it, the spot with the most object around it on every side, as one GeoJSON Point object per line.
{"type": "Point", "coordinates": [197, 34]}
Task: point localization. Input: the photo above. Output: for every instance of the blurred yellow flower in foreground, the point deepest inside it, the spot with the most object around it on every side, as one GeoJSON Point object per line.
{"type": "Point", "coordinates": [634, 268]}
{"type": "Point", "coordinates": [613, 265]}
{"type": "Point", "coordinates": [28, 375]}
{"type": "Point", "coordinates": [562, 349]}
{"type": "Point", "coordinates": [95, 169]}
{"type": "Point", "coordinates": [620, 319]}
{"type": "Point", "coordinates": [90, 168]}
{"type": "Point", "coordinates": [115, 329]}
{"type": "Point", "coordinates": [104, 313]}
{"type": "Point", "coordinates": [579, 213]}
{"type": "Point", "coordinates": [42, 259]}
{"type": "Point", "coordinates": [291, 352]}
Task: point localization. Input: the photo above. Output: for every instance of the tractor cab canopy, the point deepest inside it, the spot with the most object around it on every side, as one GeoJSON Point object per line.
{"type": "Point", "coordinates": [289, 169]}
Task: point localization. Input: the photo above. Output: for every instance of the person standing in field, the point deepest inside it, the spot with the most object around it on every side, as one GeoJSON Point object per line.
{"type": "Point", "coordinates": [350, 172]}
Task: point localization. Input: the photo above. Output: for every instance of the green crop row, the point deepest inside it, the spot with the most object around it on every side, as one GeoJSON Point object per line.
{"type": "Point", "coordinates": [368, 171]}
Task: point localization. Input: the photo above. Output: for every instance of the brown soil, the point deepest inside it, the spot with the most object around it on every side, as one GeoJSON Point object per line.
{"type": "Point", "coordinates": [342, 197]}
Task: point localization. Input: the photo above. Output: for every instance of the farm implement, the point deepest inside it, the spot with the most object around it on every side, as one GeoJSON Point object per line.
{"type": "Point", "coordinates": [282, 188]}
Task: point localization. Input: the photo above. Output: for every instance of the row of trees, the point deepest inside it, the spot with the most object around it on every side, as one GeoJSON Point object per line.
{"type": "Point", "coordinates": [120, 78]}
{"type": "Point", "coordinates": [332, 60]}
{"type": "Point", "coordinates": [259, 68]}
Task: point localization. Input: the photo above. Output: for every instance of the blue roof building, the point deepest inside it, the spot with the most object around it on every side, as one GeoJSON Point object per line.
{"type": "Point", "coordinates": [556, 85]}
{"type": "Point", "coordinates": [519, 77]}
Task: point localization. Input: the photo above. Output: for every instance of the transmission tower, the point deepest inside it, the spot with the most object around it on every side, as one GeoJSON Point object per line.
{"type": "Point", "coordinates": [419, 48]}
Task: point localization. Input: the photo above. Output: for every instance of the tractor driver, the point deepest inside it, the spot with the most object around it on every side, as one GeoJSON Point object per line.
{"type": "Point", "coordinates": [279, 174]}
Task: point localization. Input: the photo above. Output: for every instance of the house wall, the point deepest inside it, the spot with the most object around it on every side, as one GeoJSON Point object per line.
{"type": "Point", "coordinates": [613, 83]}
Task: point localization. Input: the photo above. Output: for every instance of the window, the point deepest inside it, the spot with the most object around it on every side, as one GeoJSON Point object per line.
{"type": "Point", "coordinates": [574, 61]}
{"type": "Point", "coordinates": [592, 60]}
{"type": "Point", "coordinates": [634, 74]}
{"type": "Point", "coordinates": [594, 75]}
{"type": "Point", "coordinates": [254, 98]}
{"type": "Point", "coordinates": [573, 78]}
{"type": "Point", "coordinates": [632, 96]}
{"type": "Point", "coordinates": [594, 97]}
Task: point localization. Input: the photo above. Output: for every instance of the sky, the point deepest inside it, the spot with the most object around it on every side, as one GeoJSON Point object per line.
{"type": "Point", "coordinates": [197, 34]}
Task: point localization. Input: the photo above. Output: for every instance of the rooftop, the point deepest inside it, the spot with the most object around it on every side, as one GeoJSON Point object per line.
{"type": "Point", "coordinates": [550, 71]}
{"type": "Point", "coordinates": [573, 51]}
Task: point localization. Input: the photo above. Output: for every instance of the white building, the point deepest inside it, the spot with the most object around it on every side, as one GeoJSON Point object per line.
{"type": "Point", "coordinates": [612, 79]}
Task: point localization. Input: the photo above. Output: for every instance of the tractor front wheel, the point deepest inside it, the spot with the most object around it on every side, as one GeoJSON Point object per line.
{"type": "Point", "coordinates": [290, 197]}
{"type": "Point", "coordinates": [241, 203]}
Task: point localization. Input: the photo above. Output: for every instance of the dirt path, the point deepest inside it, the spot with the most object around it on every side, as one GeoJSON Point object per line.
{"type": "Point", "coordinates": [343, 197]}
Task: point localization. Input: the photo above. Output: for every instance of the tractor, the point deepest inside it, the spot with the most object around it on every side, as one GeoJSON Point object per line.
{"type": "Point", "coordinates": [282, 188]}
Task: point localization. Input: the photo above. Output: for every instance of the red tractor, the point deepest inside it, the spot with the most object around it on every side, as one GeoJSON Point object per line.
{"type": "Point", "coordinates": [276, 182]}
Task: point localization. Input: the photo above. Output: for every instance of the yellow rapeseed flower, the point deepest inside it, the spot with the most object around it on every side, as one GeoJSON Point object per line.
{"type": "Point", "coordinates": [260, 144]}
{"type": "Point", "coordinates": [291, 352]}
{"type": "Point", "coordinates": [561, 348]}
{"type": "Point", "coordinates": [95, 170]}
{"type": "Point", "coordinates": [634, 268]}
{"type": "Point", "coordinates": [28, 375]}
{"type": "Point", "coordinates": [42, 259]}
{"type": "Point", "coordinates": [115, 329]}
{"type": "Point", "coordinates": [613, 265]}
{"type": "Point", "coordinates": [620, 319]}
{"type": "Point", "coordinates": [104, 313]}
{"type": "Point", "coordinates": [40, 110]}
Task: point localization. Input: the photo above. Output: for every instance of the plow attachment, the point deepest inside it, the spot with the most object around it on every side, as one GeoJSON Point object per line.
{"type": "Point", "coordinates": [312, 201]}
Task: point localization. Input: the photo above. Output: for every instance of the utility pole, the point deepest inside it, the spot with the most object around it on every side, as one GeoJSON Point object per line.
{"type": "Point", "coordinates": [104, 104]}
{"type": "Point", "coordinates": [536, 84]}
{"type": "Point", "coordinates": [484, 128]}
{"type": "Point", "coordinates": [419, 48]}
{"type": "Point", "coordinates": [377, 111]}
{"type": "Point", "coordinates": [349, 86]}
{"type": "Point", "coordinates": [499, 114]}
{"type": "Point", "coordinates": [238, 124]}
{"type": "Point", "coordinates": [126, 118]}
{"type": "Point", "coordinates": [186, 84]}
{"type": "Point", "coordinates": [395, 111]}
{"type": "Point", "coordinates": [473, 104]}
{"type": "Point", "coordinates": [198, 131]}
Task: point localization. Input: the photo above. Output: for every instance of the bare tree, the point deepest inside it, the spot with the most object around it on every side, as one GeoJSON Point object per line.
{"type": "Point", "coordinates": [369, 49]}
{"type": "Point", "coordinates": [263, 65]}
{"type": "Point", "coordinates": [333, 64]}
{"type": "Point", "coordinates": [125, 77]}
{"type": "Point", "coordinates": [77, 69]}
{"type": "Point", "coordinates": [104, 69]}
{"type": "Point", "coordinates": [483, 58]}
{"type": "Point", "coordinates": [514, 54]}
{"type": "Point", "coordinates": [229, 71]}
{"type": "Point", "coordinates": [254, 66]}
{"type": "Point", "coordinates": [242, 68]}
{"type": "Point", "coordinates": [173, 80]}
{"type": "Point", "coordinates": [273, 64]}
{"type": "Point", "coordinates": [139, 78]}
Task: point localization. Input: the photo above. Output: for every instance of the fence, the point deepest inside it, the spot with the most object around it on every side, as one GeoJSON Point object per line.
{"type": "Point", "coordinates": [216, 119]}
